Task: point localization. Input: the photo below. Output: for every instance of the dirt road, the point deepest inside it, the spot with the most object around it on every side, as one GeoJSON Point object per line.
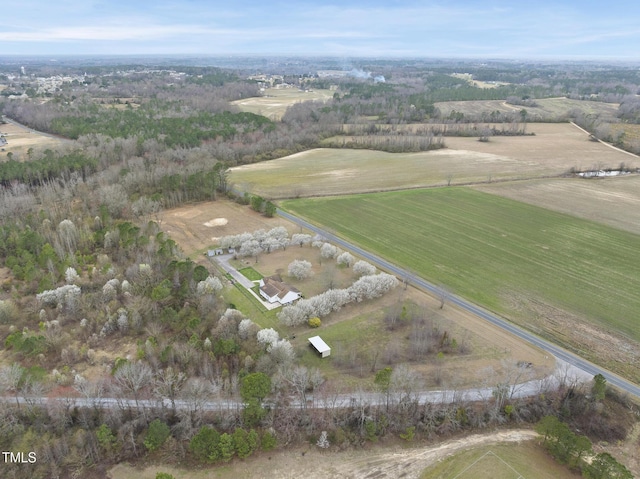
{"type": "Point", "coordinates": [313, 463]}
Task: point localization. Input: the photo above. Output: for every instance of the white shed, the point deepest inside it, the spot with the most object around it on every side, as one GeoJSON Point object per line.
{"type": "Point", "coordinates": [320, 346]}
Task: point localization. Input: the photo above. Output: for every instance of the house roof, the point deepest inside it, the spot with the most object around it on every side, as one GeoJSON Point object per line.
{"type": "Point", "coordinates": [273, 286]}
{"type": "Point", "coordinates": [319, 344]}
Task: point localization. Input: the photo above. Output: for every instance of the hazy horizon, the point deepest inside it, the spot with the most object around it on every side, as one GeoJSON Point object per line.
{"type": "Point", "coordinates": [468, 29]}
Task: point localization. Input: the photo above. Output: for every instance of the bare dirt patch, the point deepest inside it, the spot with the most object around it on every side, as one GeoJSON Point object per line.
{"type": "Point", "coordinates": [310, 462]}
{"type": "Point", "coordinates": [611, 201]}
{"type": "Point", "coordinates": [192, 226]}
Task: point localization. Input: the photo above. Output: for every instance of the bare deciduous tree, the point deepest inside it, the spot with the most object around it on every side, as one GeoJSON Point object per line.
{"type": "Point", "coordinates": [133, 378]}
{"type": "Point", "coordinates": [168, 384]}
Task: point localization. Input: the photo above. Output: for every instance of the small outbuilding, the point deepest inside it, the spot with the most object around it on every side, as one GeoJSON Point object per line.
{"type": "Point", "coordinates": [319, 345]}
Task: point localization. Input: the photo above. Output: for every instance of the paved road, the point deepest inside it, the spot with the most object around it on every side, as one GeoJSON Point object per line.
{"type": "Point", "coordinates": [357, 398]}
{"type": "Point", "coordinates": [570, 358]}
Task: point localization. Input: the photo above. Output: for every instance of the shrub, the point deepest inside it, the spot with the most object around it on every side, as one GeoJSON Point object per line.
{"type": "Point", "coordinates": [315, 322]}
{"type": "Point", "coordinates": [204, 445]}
{"type": "Point", "coordinates": [157, 434]}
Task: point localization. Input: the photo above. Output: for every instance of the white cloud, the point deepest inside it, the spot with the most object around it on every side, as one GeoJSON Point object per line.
{"type": "Point", "coordinates": [467, 28]}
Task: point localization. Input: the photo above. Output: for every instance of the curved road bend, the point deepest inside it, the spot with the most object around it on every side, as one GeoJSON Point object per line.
{"type": "Point", "coordinates": [570, 358]}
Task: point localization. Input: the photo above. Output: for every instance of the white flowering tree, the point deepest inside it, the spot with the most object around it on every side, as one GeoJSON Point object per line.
{"type": "Point", "coordinates": [281, 352]}
{"type": "Point", "coordinates": [362, 268]}
{"type": "Point", "coordinates": [268, 336]}
{"type": "Point", "coordinates": [110, 289]}
{"type": "Point", "coordinates": [271, 244]}
{"type": "Point", "coordinates": [211, 285]}
{"type": "Point", "coordinates": [250, 248]}
{"type": "Point", "coordinates": [328, 251]}
{"type": "Point", "coordinates": [71, 276]}
{"type": "Point", "coordinates": [279, 233]}
{"type": "Point", "coordinates": [66, 295]}
{"type": "Point", "coordinates": [300, 239]}
{"type": "Point", "coordinates": [245, 328]}
{"type": "Point", "coordinates": [300, 269]}
{"type": "Point", "coordinates": [367, 287]}
{"type": "Point", "coordinates": [372, 286]}
{"type": "Point", "coordinates": [346, 259]}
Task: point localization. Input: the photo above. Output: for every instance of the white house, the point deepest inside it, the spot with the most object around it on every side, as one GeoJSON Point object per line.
{"type": "Point", "coordinates": [275, 291]}
{"type": "Point", "coordinates": [320, 346]}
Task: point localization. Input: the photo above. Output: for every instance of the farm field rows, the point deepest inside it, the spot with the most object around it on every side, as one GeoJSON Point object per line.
{"type": "Point", "coordinates": [555, 149]}
{"type": "Point", "coordinates": [275, 101]}
{"type": "Point", "coordinates": [611, 201]}
{"type": "Point", "coordinates": [548, 109]}
{"type": "Point", "coordinates": [550, 271]}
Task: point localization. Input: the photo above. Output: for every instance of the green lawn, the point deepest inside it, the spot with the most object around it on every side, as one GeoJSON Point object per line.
{"type": "Point", "coordinates": [251, 307]}
{"type": "Point", "coordinates": [250, 273]}
{"type": "Point", "coordinates": [488, 248]}
{"type": "Point", "coordinates": [500, 461]}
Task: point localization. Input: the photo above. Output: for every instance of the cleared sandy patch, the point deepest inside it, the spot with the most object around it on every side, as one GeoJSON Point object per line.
{"type": "Point", "coordinates": [216, 222]}
{"type": "Point", "coordinates": [187, 225]}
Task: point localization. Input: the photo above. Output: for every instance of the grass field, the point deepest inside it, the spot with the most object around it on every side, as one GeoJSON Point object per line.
{"type": "Point", "coordinates": [20, 139]}
{"type": "Point", "coordinates": [554, 150]}
{"type": "Point", "coordinates": [548, 109]}
{"type": "Point", "coordinates": [501, 461]}
{"type": "Point", "coordinates": [493, 250]}
{"type": "Point", "coordinates": [611, 201]}
{"type": "Point", "coordinates": [275, 101]}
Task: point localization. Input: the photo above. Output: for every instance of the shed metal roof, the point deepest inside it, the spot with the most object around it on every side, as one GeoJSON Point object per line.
{"type": "Point", "coordinates": [319, 344]}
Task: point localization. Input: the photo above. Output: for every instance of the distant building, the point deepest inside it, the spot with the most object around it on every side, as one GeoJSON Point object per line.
{"type": "Point", "coordinates": [319, 345]}
{"type": "Point", "coordinates": [215, 252]}
{"type": "Point", "coordinates": [275, 291]}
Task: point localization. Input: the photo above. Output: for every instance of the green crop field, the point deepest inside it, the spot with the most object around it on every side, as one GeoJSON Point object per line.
{"type": "Point", "coordinates": [491, 249]}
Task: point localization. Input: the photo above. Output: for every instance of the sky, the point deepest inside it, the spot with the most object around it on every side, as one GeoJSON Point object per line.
{"type": "Point", "coordinates": [535, 29]}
